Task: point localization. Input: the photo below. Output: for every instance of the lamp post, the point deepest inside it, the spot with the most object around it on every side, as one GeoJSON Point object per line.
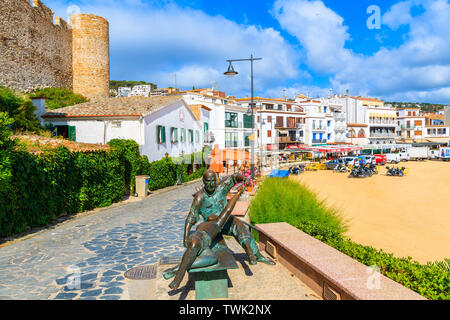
{"type": "Point", "coordinates": [231, 73]}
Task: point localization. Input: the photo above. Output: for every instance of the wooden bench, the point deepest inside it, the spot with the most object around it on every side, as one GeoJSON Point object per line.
{"type": "Point", "coordinates": [212, 282]}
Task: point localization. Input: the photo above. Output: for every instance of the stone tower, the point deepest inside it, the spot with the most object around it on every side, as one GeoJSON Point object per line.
{"type": "Point", "coordinates": [90, 54]}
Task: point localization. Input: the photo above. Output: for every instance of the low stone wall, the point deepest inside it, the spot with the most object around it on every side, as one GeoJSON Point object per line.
{"type": "Point", "coordinates": [328, 272]}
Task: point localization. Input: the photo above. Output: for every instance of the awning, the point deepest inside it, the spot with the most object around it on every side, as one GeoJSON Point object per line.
{"type": "Point", "coordinates": [438, 140]}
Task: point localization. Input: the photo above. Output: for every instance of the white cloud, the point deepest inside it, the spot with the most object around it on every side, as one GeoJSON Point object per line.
{"type": "Point", "coordinates": [399, 14]}
{"type": "Point", "coordinates": [152, 42]}
{"type": "Point", "coordinates": [417, 69]}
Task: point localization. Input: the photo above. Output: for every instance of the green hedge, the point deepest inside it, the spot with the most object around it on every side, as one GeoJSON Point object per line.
{"type": "Point", "coordinates": [34, 189]}
{"type": "Point", "coordinates": [280, 200]}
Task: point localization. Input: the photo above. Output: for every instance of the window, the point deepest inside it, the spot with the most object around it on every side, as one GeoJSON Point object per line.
{"type": "Point", "coordinates": [231, 120]}
{"type": "Point", "coordinates": [329, 124]}
{"type": "Point", "coordinates": [183, 135]}
{"type": "Point", "coordinates": [205, 131]}
{"type": "Point", "coordinates": [269, 119]}
{"type": "Point", "coordinates": [324, 109]}
{"type": "Point", "coordinates": [197, 136]}
{"type": "Point", "coordinates": [161, 134]}
{"type": "Point", "coordinates": [248, 121]}
{"type": "Point", "coordinates": [279, 122]}
{"type": "Point", "coordinates": [116, 124]}
{"type": "Point", "coordinates": [231, 140]}
{"type": "Point", "coordinates": [247, 139]}
{"type": "Point", "coordinates": [174, 135]}
{"type": "Point", "coordinates": [191, 136]}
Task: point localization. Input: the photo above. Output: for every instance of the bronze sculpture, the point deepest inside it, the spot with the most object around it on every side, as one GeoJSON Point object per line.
{"type": "Point", "coordinates": [198, 253]}
{"type": "Point", "coordinates": [212, 200]}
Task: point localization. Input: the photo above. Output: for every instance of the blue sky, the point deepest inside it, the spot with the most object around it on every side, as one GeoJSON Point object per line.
{"type": "Point", "coordinates": [307, 46]}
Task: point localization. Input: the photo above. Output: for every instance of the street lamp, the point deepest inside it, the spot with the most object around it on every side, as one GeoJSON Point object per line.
{"type": "Point", "coordinates": [231, 73]}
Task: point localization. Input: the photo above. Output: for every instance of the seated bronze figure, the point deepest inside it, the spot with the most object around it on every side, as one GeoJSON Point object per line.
{"type": "Point", "coordinates": [198, 253]}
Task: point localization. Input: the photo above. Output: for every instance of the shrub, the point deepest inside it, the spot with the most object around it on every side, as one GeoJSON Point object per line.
{"type": "Point", "coordinates": [129, 150]}
{"type": "Point", "coordinates": [58, 97]}
{"type": "Point", "coordinates": [162, 174]}
{"type": "Point", "coordinates": [287, 201]}
{"type": "Point", "coordinates": [19, 109]}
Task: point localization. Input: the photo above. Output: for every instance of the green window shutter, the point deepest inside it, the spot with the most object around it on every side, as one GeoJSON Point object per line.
{"type": "Point", "coordinates": [72, 133]}
{"type": "Point", "coordinates": [161, 134]}
{"type": "Point", "coordinates": [197, 136]}
{"type": "Point", "coordinates": [191, 136]}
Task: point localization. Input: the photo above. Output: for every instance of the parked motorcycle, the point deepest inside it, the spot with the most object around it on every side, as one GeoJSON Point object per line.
{"type": "Point", "coordinates": [372, 168]}
{"type": "Point", "coordinates": [342, 168]}
{"type": "Point", "coordinates": [296, 170]}
{"type": "Point", "coordinates": [396, 172]}
{"type": "Point", "coordinates": [358, 172]}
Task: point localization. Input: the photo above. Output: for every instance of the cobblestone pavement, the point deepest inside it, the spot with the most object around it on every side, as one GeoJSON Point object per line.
{"type": "Point", "coordinates": [87, 257]}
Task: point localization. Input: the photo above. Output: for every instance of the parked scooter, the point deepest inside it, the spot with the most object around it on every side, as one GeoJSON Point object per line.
{"type": "Point", "coordinates": [396, 172]}
{"type": "Point", "coordinates": [358, 172]}
{"type": "Point", "coordinates": [296, 170]}
{"type": "Point", "coordinates": [342, 168]}
{"type": "Point", "coordinates": [372, 168]}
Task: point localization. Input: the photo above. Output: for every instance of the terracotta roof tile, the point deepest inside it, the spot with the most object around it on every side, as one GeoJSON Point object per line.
{"type": "Point", "coordinates": [125, 106]}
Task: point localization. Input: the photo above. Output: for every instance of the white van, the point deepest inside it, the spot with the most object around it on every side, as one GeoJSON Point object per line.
{"type": "Point", "coordinates": [393, 157]}
{"type": "Point", "coordinates": [404, 156]}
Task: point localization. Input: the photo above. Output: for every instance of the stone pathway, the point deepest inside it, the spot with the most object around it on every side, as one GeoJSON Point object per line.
{"type": "Point", "coordinates": [86, 258]}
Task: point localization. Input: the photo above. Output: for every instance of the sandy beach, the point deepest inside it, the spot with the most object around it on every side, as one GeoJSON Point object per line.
{"type": "Point", "coordinates": [407, 216]}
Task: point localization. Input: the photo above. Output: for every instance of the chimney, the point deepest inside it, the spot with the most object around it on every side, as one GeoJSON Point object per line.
{"type": "Point", "coordinates": [39, 103]}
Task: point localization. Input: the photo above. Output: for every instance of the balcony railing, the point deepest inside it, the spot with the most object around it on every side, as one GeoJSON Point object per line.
{"type": "Point", "coordinates": [319, 141]}
{"type": "Point", "coordinates": [382, 122]}
{"type": "Point", "coordinates": [286, 140]}
{"type": "Point", "coordinates": [407, 127]}
{"type": "Point", "coordinates": [382, 135]}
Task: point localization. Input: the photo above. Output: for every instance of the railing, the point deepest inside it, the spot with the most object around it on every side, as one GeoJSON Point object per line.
{"type": "Point", "coordinates": [286, 140]}
{"type": "Point", "coordinates": [382, 135]}
{"type": "Point", "coordinates": [339, 116]}
{"type": "Point", "coordinates": [382, 122]}
{"type": "Point", "coordinates": [406, 127]}
{"type": "Point", "coordinates": [319, 141]}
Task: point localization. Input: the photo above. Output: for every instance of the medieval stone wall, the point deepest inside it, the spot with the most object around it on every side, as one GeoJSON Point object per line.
{"type": "Point", "coordinates": [34, 52]}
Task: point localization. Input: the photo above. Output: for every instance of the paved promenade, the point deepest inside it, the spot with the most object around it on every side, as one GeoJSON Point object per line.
{"type": "Point", "coordinates": [86, 258]}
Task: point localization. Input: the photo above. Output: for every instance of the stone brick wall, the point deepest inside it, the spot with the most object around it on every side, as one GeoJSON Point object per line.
{"type": "Point", "coordinates": [34, 52]}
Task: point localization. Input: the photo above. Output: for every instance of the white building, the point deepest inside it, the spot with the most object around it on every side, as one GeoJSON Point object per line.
{"type": "Point", "coordinates": [278, 123]}
{"type": "Point", "coordinates": [159, 125]}
{"type": "Point", "coordinates": [320, 121]}
{"type": "Point", "coordinates": [410, 124]}
{"type": "Point", "coordinates": [229, 126]}
{"type": "Point", "coordinates": [123, 91]}
{"type": "Point", "coordinates": [141, 91]}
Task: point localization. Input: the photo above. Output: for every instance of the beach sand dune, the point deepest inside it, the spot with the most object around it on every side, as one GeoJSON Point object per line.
{"type": "Point", "coordinates": [407, 216]}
